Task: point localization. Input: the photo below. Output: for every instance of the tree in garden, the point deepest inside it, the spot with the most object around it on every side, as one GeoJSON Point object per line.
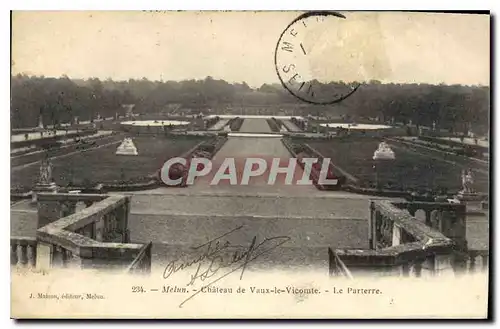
{"type": "Point", "coordinates": [62, 99]}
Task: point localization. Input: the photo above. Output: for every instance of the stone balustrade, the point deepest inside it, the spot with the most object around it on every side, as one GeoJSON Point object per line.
{"type": "Point", "coordinates": [94, 237]}
{"type": "Point", "coordinates": [402, 245]}
{"type": "Point", "coordinates": [473, 261]}
{"type": "Point", "coordinates": [23, 251]}
{"type": "Point", "coordinates": [449, 219]}
{"type": "Point", "coordinates": [477, 261]}
{"type": "Point", "coordinates": [142, 263]}
{"type": "Point", "coordinates": [52, 206]}
{"type": "Point", "coordinates": [393, 223]}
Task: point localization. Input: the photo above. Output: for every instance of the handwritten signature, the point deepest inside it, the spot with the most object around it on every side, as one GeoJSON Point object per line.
{"type": "Point", "coordinates": [214, 257]}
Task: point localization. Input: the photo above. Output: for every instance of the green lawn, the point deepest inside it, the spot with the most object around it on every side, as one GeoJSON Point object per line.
{"type": "Point", "coordinates": [410, 169]}
{"type": "Point", "coordinates": [102, 165]}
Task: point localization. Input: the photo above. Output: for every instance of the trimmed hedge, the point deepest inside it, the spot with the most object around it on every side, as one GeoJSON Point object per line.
{"type": "Point", "coordinates": [104, 166]}
{"type": "Point", "coordinates": [300, 151]}
{"type": "Point", "coordinates": [454, 147]}
{"type": "Point", "coordinates": [212, 121]}
{"type": "Point", "coordinates": [206, 149]}
{"type": "Point", "coordinates": [273, 124]}
{"type": "Point", "coordinates": [51, 142]}
{"type": "Point", "coordinates": [235, 124]}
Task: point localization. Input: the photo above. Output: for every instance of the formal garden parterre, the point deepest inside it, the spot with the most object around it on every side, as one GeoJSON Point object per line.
{"type": "Point", "coordinates": [101, 165]}
{"type": "Point", "coordinates": [412, 170]}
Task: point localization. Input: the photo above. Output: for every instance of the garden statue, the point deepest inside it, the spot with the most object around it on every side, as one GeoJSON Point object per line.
{"type": "Point", "coordinates": [45, 172]}
{"type": "Point", "coordinates": [467, 181]}
{"type": "Point", "coordinates": [40, 122]}
{"type": "Point", "coordinates": [45, 183]}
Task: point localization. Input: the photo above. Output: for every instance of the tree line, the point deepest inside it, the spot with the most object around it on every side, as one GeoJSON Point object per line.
{"type": "Point", "coordinates": [60, 100]}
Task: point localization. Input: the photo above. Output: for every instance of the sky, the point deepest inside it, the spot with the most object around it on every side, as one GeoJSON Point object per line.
{"type": "Point", "coordinates": [240, 46]}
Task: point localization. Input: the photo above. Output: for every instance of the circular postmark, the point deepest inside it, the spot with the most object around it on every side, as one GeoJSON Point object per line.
{"type": "Point", "coordinates": [302, 64]}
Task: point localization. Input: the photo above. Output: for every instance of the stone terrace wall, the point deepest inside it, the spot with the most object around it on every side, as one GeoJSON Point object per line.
{"type": "Point", "coordinates": [95, 237]}
{"type": "Point", "coordinates": [402, 245]}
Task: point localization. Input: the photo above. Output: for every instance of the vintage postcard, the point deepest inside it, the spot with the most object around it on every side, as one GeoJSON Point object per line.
{"type": "Point", "coordinates": [284, 164]}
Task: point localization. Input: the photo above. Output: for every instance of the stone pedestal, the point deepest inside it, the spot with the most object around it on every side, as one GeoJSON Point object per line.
{"type": "Point", "coordinates": [44, 256]}
{"type": "Point", "coordinates": [50, 211]}
{"type": "Point", "coordinates": [468, 196]}
{"type": "Point", "coordinates": [452, 224]}
{"type": "Point", "coordinates": [74, 262]}
{"type": "Point", "coordinates": [472, 200]}
{"type": "Point", "coordinates": [43, 188]}
{"type": "Point", "coordinates": [443, 265]}
{"type": "Point", "coordinates": [396, 235]}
